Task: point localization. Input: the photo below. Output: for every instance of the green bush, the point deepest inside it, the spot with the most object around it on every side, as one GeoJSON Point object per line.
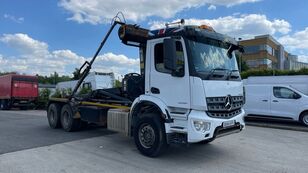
{"type": "Point", "coordinates": [84, 90]}
{"type": "Point", "coordinates": [69, 91]}
{"type": "Point", "coordinates": [43, 98]}
{"type": "Point", "coordinates": [271, 72]}
{"type": "Point", "coordinates": [57, 94]}
{"type": "Point", "coordinates": [117, 84]}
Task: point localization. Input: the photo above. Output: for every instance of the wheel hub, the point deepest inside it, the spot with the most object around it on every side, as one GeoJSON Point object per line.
{"type": "Point", "coordinates": [146, 136]}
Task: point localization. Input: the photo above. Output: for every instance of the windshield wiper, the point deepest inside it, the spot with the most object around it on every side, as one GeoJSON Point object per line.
{"type": "Point", "coordinates": [216, 69]}
{"type": "Point", "coordinates": [230, 73]}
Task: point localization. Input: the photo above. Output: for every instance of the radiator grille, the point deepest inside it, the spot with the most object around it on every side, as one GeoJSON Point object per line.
{"type": "Point", "coordinates": [224, 107]}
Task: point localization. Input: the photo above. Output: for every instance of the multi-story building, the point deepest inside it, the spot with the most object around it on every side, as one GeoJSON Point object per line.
{"type": "Point", "coordinates": [292, 62]}
{"type": "Point", "coordinates": [264, 52]}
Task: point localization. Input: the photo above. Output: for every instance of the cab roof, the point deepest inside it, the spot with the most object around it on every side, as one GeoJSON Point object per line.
{"type": "Point", "coordinates": [191, 31]}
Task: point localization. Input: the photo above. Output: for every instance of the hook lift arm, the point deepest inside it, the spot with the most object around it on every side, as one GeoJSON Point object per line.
{"type": "Point", "coordinates": [89, 64]}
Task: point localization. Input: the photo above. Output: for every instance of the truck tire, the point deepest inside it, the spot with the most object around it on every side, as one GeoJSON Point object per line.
{"type": "Point", "coordinates": [149, 135]}
{"type": "Point", "coordinates": [1, 104]}
{"type": "Point", "coordinates": [68, 123]}
{"type": "Point", "coordinates": [53, 115]}
{"type": "Point", "coordinates": [304, 118]}
{"type": "Point", "coordinates": [4, 104]}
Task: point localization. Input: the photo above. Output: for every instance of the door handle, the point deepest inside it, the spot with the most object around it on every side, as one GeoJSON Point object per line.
{"type": "Point", "coordinates": [264, 100]}
{"type": "Point", "coordinates": [155, 90]}
{"type": "Point", "coordinates": [275, 101]}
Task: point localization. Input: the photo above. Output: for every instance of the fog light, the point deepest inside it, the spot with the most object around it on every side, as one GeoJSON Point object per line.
{"type": "Point", "coordinates": [202, 126]}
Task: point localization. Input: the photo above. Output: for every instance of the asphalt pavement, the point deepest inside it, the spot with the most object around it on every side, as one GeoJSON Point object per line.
{"type": "Point", "coordinates": [21, 130]}
{"type": "Point", "coordinates": [255, 149]}
{"type": "Point", "coordinates": [275, 123]}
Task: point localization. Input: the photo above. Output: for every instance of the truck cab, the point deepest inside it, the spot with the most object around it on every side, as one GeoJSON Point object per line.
{"type": "Point", "coordinates": [195, 81]}
{"type": "Point", "coordinates": [189, 90]}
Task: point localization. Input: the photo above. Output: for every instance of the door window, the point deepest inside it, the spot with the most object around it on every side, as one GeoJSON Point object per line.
{"type": "Point", "coordinates": [285, 93]}
{"type": "Point", "coordinates": [159, 57]}
{"type": "Point", "coordinates": [87, 85]}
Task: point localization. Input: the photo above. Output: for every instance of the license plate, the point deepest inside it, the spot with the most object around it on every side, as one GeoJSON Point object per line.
{"type": "Point", "coordinates": [228, 123]}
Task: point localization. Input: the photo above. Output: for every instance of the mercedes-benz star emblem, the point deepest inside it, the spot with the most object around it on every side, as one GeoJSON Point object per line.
{"type": "Point", "coordinates": [228, 103]}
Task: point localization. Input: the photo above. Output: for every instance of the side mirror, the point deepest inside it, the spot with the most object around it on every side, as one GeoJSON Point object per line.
{"type": "Point", "coordinates": [170, 54]}
{"type": "Point", "coordinates": [233, 48]}
{"type": "Point", "coordinates": [241, 49]}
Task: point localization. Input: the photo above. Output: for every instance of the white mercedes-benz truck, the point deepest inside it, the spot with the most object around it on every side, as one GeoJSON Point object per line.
{"type": "Point", "coordinates": [189, 90]}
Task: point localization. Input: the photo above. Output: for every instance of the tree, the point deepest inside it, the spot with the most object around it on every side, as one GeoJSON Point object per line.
{"type": "Point", "coordinates": [76, 74]}
{"type": "Point", "coordinates": [4, 73]}
{"type": "Point", "coordinates": [241, 63]}
{"type": "Point", "coordinates": [52, 78]}
{"type": "Point", "coordinates": [117, 84]}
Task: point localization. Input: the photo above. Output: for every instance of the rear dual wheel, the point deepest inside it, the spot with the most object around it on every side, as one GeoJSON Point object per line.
{"type": "Point", "coordinates": [68, 122]}
{"type": "Point", "coordinates": [53, 115]}
{"type": "Point", "coordinates": [63, 117]}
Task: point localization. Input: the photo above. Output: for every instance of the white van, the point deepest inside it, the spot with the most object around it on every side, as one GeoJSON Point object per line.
{"type": "Point", "coordinates": [271, 98]}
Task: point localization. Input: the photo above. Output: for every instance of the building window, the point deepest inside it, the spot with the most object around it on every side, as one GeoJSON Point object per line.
{"type": "Point", "coordinates": [259, 63]}
{"type": "Point", "coordinates": [87, 85]}
{"type": "Point", "coordinates": [270, 50]}
{"type": "Point", "coordinates": [252, 49]}
{"type": "Point", "coordinates": [258, 48]}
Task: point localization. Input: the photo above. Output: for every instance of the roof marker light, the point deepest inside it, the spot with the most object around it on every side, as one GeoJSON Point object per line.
{"type": "Point", "coordinates": [209, 28]}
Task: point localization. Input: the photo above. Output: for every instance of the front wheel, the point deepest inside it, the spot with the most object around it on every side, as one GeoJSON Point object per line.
{"type": "Point", "coordinates": [304, 118]}
{"type": "Point", "coordinates": [149, 135]}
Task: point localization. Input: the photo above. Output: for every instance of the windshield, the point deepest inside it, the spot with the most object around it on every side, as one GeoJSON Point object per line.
{"type": "Point", "coordinates": [212, 57]}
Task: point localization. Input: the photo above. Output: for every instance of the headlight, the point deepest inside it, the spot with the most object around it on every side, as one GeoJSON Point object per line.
{"type": "Point", "coordinates": [202, 126]}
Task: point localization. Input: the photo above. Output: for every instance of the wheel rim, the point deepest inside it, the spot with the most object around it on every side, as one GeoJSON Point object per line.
{"type": "Point", "coordinates": [305, 119]}
{"type": "Point", "coordinates": [65, 119]}
{"type": "Point", "coordinates": [146, 135]}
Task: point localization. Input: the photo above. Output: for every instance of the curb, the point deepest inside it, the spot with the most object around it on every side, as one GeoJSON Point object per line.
{"type": "Point", "coordinates": [277, 126]}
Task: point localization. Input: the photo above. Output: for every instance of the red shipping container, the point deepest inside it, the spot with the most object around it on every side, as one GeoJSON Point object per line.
{"type": "Point", "coordinates": [17, 90]}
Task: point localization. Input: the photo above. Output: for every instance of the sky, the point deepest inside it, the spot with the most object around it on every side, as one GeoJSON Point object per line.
{"type": "Point", "coordinates": [43, 37]}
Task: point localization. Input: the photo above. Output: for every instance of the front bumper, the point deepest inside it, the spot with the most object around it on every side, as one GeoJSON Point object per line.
{"type": "Point", "coordinates": [216, 128]}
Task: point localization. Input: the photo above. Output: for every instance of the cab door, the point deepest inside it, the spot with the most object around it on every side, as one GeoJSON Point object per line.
{"type": "Point", "coordinates": [285, 102]}
{"type": "Point", "coordinates": [173, 91]}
